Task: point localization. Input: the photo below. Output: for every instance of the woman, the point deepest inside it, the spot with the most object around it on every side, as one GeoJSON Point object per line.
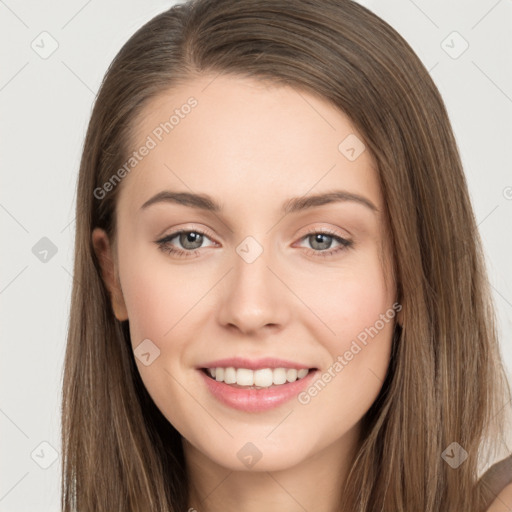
{"type": "Point", "coordinates": [280, 298]}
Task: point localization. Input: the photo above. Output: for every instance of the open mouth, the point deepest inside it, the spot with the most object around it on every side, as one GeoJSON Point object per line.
{"type": "Point", "coordinates": [263, 378]}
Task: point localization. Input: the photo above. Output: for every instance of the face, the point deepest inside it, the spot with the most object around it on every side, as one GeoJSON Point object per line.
{"type": "Point", "coordinates": [251, 239]}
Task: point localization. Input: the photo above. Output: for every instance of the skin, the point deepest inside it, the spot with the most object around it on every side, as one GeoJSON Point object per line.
{"type": "Point", "coordinates": [503, 502]}
{"type": "Point", "coordinates": [252, 146]}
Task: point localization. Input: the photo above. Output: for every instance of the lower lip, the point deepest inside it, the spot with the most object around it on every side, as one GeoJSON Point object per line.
{"type": "Point", "coordinates": [256, 400]}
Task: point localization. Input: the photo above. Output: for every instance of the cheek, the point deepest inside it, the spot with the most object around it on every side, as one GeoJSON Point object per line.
{"type": "Point", "coordinates": [348, 300]}
{"type": "Point", "coordinates": [151, 305]}
{"type": "Point", "coordinates": [158, 296]}
{"type": "Point", "coordinates": [354, 321]}
{"type": "Point", "coordinates": [160, 307]}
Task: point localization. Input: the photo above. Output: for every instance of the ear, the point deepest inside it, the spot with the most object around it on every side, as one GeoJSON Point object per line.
{"type": "Point", "coordinates": [400, 317]}
{"type": "Point", "coordinates": [399, 308]}
{"type": "Point", "coordinates": [104, 253]}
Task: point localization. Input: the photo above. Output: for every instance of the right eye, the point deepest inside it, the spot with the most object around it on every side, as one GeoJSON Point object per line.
{"type": "Point", "coordinates": [190, 241]}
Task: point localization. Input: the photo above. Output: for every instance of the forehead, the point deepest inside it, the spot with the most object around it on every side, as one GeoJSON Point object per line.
{"type": "Point", "coordinates": [243, 137]}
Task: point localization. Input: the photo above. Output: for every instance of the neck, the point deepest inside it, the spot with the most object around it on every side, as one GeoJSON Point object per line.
{"type": "Point", "coordinates": [314, 484]}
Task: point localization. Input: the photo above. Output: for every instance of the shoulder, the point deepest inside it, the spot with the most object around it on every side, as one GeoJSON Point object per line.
{"type": "Point", "coordinates": [503, 502]}
{"type": "Point", "coordinates": [498, 480]}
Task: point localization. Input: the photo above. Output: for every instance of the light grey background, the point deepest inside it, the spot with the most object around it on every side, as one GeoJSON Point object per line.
{"type": "Point", "coordinates": [45, 107]}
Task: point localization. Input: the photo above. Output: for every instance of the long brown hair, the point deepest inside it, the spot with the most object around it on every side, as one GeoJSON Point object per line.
{"type": "Point", "coordinates": [445, 382]}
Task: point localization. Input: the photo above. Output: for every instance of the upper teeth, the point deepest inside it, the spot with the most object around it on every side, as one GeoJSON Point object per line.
{"type": "Point", "coordinates": [264, 377]}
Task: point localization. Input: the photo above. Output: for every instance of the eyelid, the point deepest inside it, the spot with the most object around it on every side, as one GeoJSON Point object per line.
{"type": "Point", "coordinates": [313, 229]}
{"type": "Point", "coordinates": [194, 229]}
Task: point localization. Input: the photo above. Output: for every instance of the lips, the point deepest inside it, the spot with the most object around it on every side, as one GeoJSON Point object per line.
{"type": "Point", "coordinates": [255, 364]}
{"type": "Point", "coordinates": [255, 385]}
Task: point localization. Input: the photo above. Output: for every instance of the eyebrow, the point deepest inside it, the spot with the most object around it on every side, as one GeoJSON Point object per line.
{"type": "Point", "coordinates": [295, 204]}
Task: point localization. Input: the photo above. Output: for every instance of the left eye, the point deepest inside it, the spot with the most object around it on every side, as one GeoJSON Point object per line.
{"type": "Point", "coordinates": [322, 241]}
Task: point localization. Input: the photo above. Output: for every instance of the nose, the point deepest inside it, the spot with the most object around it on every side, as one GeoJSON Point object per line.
{"type": "Point", "coordinates": [253, 298]}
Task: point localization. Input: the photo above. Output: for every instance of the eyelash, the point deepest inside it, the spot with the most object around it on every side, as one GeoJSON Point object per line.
{"type": "Point", "coordinates": [164, 243]}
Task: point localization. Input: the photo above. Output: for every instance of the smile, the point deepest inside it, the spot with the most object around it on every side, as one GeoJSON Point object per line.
{"type": "Point", "coordinates": [256, 379]}
{"type": "Point", "coordinates": [255, 386]}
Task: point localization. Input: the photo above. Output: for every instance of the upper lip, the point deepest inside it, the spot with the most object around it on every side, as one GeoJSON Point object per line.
{"type": "Point", "coordinates": [254, 364]}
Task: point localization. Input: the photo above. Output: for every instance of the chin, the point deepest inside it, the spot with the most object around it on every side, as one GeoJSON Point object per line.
{"type": "Point", "coordinates": [256, 455]}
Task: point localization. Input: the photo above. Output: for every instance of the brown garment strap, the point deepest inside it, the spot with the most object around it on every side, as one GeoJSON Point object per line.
{"type": "Point", "coordinates": [496, 478]}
